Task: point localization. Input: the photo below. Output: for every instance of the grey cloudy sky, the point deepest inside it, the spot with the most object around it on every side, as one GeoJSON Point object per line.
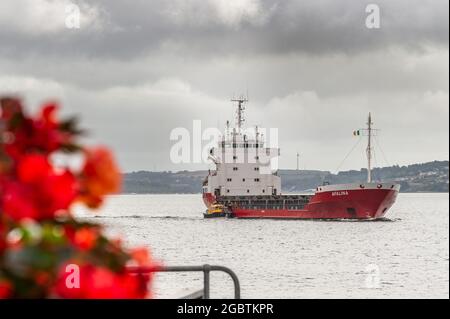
{"type": "Point", "coordinates": [137, 69]}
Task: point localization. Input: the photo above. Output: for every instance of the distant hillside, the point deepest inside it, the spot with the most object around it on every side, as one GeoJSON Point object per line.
{"type": "Point", "coordinates": [183, 182]}
{"type": "Point", "coordinates": [426, 177]}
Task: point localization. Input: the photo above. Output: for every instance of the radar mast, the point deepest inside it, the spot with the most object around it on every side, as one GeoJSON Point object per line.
{"type": "Point", "coordinates": [240, 112]}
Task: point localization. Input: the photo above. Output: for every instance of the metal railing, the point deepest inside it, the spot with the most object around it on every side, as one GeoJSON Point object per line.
{"type": "Point", "coordinates": [206, 269]}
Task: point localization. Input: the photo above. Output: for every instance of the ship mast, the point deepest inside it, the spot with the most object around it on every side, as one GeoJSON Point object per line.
{"type": "Point", "coordinates": [369, 149]}
{"type": "Point", "coordinates": [240, 112]}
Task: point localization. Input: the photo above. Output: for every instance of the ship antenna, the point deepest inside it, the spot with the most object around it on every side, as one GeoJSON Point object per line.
{"type": "Point", "coordinates": [240, 112]}
{"type": "Point", "coordinates": [369, 149]}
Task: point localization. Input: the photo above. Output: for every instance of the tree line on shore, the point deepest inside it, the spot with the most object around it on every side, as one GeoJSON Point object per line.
{"type": "Point", "coordinates": [424, 177]}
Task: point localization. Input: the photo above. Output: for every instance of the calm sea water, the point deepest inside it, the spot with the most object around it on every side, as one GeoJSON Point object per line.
{"type": "Point", "coordinates": [406, 256]}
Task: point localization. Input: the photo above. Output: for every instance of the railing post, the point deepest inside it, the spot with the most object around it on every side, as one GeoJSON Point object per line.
{"type": "Point", "coordinates": [206, 269]}
{"type": "Point", "coordinates": [206, 272]}
{"type": "Point", "coordinates": [237, 286]}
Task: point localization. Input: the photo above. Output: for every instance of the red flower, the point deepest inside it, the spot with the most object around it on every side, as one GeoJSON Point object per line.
{"type": "Point", "coordinates": [32, 168]}
{"type": "Point", "coordinates": [17, 201]}
{"type": "Point", "coordinates": [100, 176]}
{"type": "Point", "coordinates": [6, 289]}
{"type": "Point", "coordinates": [9, 108]}
{"type": "Point", "coordinates": [56, 192]}
{"type": "Point", "coordinates": [141, 256]}
{"type": "Point", "coordinates": [38, 197]}
{"type": "Point", "coordinates": [31, 188]}
{"type": "Point", "coordinates": [84, 238]}
{"type": "Point", "coordinates": [99, 283]}
{"type": "Point", "coordinates": [42, 134]}
{"type": "Point", "coordinates": [48, 114]}
{"type": "Point", "coordinates": [47, 134]}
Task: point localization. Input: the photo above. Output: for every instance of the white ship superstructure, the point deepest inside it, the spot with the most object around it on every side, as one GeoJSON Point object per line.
{"type": "Point", "coordinates": [243, 162]}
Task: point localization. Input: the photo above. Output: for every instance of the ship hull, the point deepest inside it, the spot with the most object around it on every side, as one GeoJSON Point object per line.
{"type": "Point", "coordinates": [363, 201]}
{"type": "Point", "coordinates": [208, 199]}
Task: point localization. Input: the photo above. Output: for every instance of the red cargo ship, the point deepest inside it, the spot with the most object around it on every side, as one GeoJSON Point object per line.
{"type": "Point", "coordinates": [245, 184]}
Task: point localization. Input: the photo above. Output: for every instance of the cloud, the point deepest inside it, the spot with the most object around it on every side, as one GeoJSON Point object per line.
{"type": "Point", "coordinates": [136, 120]}
{"type": "Point", "coordinates": [312, 70]}
{"type": "Point", "coordinates": [226, 13]}
{"type": "Point", "coordinates": [42, 17]}
{"type": "Point", "coordinates": [210, 28]}
{"type": "Point", "coordinates": [320, 128]}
